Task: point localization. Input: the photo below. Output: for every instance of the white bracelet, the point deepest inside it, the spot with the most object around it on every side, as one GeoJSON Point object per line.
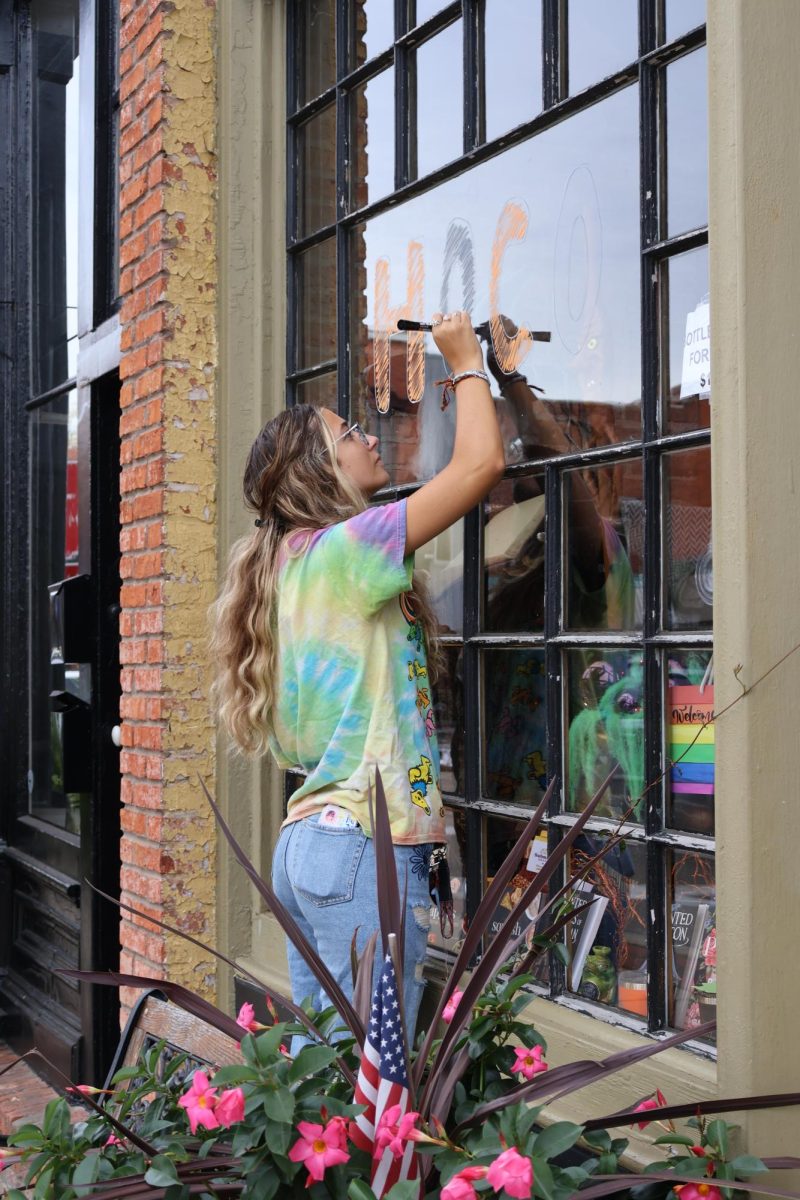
{"type": "Point", "coordinates": [449, 384]}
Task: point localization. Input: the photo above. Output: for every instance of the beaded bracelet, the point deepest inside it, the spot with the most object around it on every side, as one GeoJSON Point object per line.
{"type": "Point", "coordinates": [449, 384]}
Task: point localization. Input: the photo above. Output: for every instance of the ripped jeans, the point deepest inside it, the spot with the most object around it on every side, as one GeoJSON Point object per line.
{"type": "Point", "coordinates": [326, 879]}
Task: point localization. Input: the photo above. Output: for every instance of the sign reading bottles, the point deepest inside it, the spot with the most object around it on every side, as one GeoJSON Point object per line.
{"type": "Point", "coordinates": [696, 370]}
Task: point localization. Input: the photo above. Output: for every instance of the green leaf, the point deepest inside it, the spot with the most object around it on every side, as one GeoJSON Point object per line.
{"type": "Point", "coordinates": [557, 1138]}
{"type": "Point", "coordinates": [542, 1179]}
{"type": "Point", "coordinates": [15, 1194]}
{"type": "Point", "coordinates": [747, 1164]}
{"type": "Point", "coordinates": [42, 1191]}
{"type": "Point", "coordinates": [162, 1172]}
{"type": "Point", "coordinates": [717, 1134]}
{"type": "Point", "coordinates": [674, 1139]}
{"type": "Point", "coordinates": [311, 1061]}
{"type": "Point", "coordinates": [125, 1073]}
{"type": "Point", "coordinates": [598, 1139]}
{"type": "Point", "coordinates": [562, 953]}
{"type": "Point", "coordinates": [87, 1170]}
{"type": "Point", "coordinates": [359, 1190]}
{"type": "Point", "coordinates": [279, 1105]}
{"type": "Point", "coordinates": [236, 1073]}
{"type": "Point", "coordinates": [407, 1189]}
{"type": "Point", "coordinates": [267, 1044]}
{"type": "Point", "coordinates": [606, 1164]}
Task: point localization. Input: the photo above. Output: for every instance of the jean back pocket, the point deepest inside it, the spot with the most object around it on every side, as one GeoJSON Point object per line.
{"type": "Point", "coordinates": [324, 862]}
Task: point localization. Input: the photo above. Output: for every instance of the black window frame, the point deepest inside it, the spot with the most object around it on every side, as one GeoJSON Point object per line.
{"type": "Point", "coordinates": [656, 249]}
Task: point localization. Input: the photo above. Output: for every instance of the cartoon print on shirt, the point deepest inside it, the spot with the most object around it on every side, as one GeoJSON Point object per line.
{"type": "Point", "coordinates": [411, 618]}
{"type": "Point", "coordinates": [537, 767]}
{"type": "Point", "coordinates": [416, 670]}
{"type": "Point", "coordinates": [430, 724]}
{"type": "Point", "coordinates": [421, 777]}
{"type": "Point", "coordinates": [423, 698]}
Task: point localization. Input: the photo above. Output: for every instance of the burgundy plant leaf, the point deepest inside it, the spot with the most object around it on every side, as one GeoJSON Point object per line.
{"type": "Point", "coordinates": [362, 988]}
{"type": "Point", "coordinates": [669, 1112]}
{"type": "Point", "coordinates": [389, 911]}
{"type": "Point", "coordinates": [617, 1183]}
{"type": "Point", "coordinates": [291, 928]}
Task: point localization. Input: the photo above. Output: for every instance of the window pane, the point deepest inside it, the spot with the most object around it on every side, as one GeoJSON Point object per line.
{"type": "Point", "coordinates": [316, 57]}
{"type": "Point", "coordinates": [423, 9]}
{"type": "Point", "coordinates": [442, 563]}
{"type": "Point", "coordinates": [604, 525]}
{"type": "Point", "coordinates": [605, 706]}
{"type": "Point", "coordinates": [687, 143]}
{"type": "Point", "coordinates": [692, 962]}
{"type": "Point", "coordinates": [608, 943]}
{"type": "Point", "coordinates": [316, 149]}
{"type": "Point", "coordinates": [372, 139]}
{"type": "Point", "coordinates": [322, 391]}
{"type": "Point", "coordinates": [500, 837]}
{"type": "Point", "coordinates": [689, 330]}
{"type": "Point", "coordinates": [601, 40]}
{"type": "Point", "coordinates": [548, 233]}
{"type": "Point", "coordinates": [448, 700]}
{"type": "Point", "coordinates": [682, 15]}
{"type": "Point", "coordinates": [440, 104]}
{"type": "Point", "coordinates": [514, 725]}
{"type": "Point", "coordinates": [59, 689]}
{"type": "Point", "coordinates": [372, 29]}
{"type": "Point", "coordinates": [513, 556]}
{"type": "Point", "coordinates": [316, 312]}
{"type": "Point", "coordinates": [56, 135]}
{"type": "Point", "coordinates": [689, 573]}
{"type": "Point", "coordinates": [689, 734]}
{"type": "Point", "coordinates": [513, 74]}
{"type": "Point", "coordinates": [437, 939]}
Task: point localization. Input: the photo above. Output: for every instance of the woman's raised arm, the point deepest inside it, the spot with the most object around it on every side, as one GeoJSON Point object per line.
{"type": "Point", "coordinates": [478, 461]}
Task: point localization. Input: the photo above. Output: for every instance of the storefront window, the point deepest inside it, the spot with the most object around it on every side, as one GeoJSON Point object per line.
{"type": "Point", "coordinates": [560, 598]}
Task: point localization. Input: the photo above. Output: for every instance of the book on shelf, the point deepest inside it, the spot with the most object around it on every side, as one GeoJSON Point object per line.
{"type": "Point", "coordinates": [583, 929]}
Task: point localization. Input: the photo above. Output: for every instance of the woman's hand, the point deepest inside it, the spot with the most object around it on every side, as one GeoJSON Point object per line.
{"type": "Point", "coordinates": [456, 340]}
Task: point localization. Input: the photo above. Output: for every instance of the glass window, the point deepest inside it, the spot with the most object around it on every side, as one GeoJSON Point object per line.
{"type": "Point", "coordinates": [321, 391]}
{"type": "Point", "coordinates": [682, 15]}
{"type": "Point", "coordinates": [692, 961]}
{"type": "Point", "coordinates": [448, 715]}
{"type": "Point", "coordinates": [603, 568]}
{"type": "Point", "coordinates": [423, 9]}
{"type": "Point", "coordinates": [688, 358]}
{"type": "Point", "coordinates": [687, 143]}
{"type": "Point", "coordinates": [500, 836]}
{"type": "Point", "coordinates": [56, 136]}
{"type": "Point", "coordinates": [513, 556]}
{"type": "Point", "coordinates": [601, 40]}
{"type": "Point", "coordinates": [316, 147]}
{"type": "Point", "coordinates": [689, 740]}
{"type": "Point", "coordinates": [605, 729]}
{"type": "Point", "coordinates": [372, 139]}
{"type": "Point", "coordinates": [514, 725]}
{"type": "Point", "coordinates": [689, 568]}
{"type": "Point", "coordinates": [440, 104]}
{"type": "Point", "coordinates": [560, 255]}
{"type": "Point", "coordinates": [316, 314]}
{"type": "Point", "coordinates": [316, 20]}
{"type": "Point", "coordinates": [442, 563]}
{"type": "Point", "coordinates": [371, 29]}
{"type": "Point", "coordinates": [513, 72]}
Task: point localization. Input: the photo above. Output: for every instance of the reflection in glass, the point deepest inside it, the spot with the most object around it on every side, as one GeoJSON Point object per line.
{"type": "Point", "coordinates": [689, 736]}
{"type": "Point", "coordinates": [54, 192]}
{"type": "Point", "coordinates": [54, 548]}
{"type": "Point", "coordinates": [448, 712]}
{"type": "Point", "coordinates": [547, 233]}
{"type": "Point", "coordinates": [682, 15]}
{"type": "Point", "coordinates": [316, 23]}
{"type": "Point", "coordinates": [442, 561]}
{"type": "Point", "coordinates": [513, 556]}
{"type": "Point", "coordinates": [440, 106]}
{"type": "Point", "coordinates": [371, 30]}
{"type": "Point", "coordinates": [600, 40]}
{"type": "Point", "coordinates": [689, 383]}
{"type": "Point", "coordinates": [692, 961]}
{"type": "Point", "coordinates": [689, 568]}
{"type": "Point", "coordinates": [454, 822]}
{"type": "Point", "coordinates": [316, 312]}
{"type": "Point", "coordinates": [372, 139]}
{"type": "Point", "coordinates": [606, 729]}
{"type": "Point", "coordinates": [608, 942]}
{"type": "Point", "coordinates": [316, 179]}
{"type": "Point", "coordinates": [501, 836]}
{"type": "Point", "coordinates": [321, 391]}
{"type": "Point", "coordinates": [604, 545]}
{"type": "Point", "coordinates": [513, 74]}
{"type": "Point", "coordinates": [687, 143]}
{"type": "Point", "coordinates": [514, 725]}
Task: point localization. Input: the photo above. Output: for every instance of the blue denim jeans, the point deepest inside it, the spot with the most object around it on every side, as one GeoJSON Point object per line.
{"type": "Point", "coordinates": [326, 879]}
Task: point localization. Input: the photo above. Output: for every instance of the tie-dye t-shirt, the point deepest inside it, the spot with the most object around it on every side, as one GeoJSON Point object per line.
{"type": "Point", "coordinates": [353, 689]}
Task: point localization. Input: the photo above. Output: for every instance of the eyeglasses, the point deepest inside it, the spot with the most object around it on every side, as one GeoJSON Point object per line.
{"type": "Point", "coordinates": [357, 430]}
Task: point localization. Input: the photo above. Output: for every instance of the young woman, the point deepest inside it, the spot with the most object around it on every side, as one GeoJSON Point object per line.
{"type": "Point", "coordinates": [322, 641]}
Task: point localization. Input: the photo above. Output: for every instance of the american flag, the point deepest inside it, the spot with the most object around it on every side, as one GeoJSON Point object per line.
{"type": "Point", "coordinates": [383, 1082]}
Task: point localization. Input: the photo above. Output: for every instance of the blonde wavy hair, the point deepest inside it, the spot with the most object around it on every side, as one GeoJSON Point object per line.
{"type": "Point", "coordinates": [293, 483]}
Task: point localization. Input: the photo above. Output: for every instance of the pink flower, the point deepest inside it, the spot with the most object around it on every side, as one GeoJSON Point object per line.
{"type": "Point", "coordinates": [652, 1102]}
{"type": "Point", "coordinates": [200, 1102]}
{"type": "Point", "coordinates": [460, 1186]}
{"type": "Point", "coordinates": [113, 1140]}
{"type": "Point", "coordinates": [698, 1191]}
{"type": "Point", "coordinates": [7, 1157]}
{"type": "Point", "coordinates": [451, 1006]}
{"type": "Point", "coordinates": [230, 1107]}
{"type": "Point", "coordinates": [512, 1172]}
{"type": "Point", "coordinates": [528, 1062]}
{"type": "Point", "coordinates": [319, 1147]}
{"type": "Point", "coordinates": [395, 1130]}
{"type": "Point", "coordinates": [85, 1089]}
{"type": "Point", "coordinates": [246, 1018]}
